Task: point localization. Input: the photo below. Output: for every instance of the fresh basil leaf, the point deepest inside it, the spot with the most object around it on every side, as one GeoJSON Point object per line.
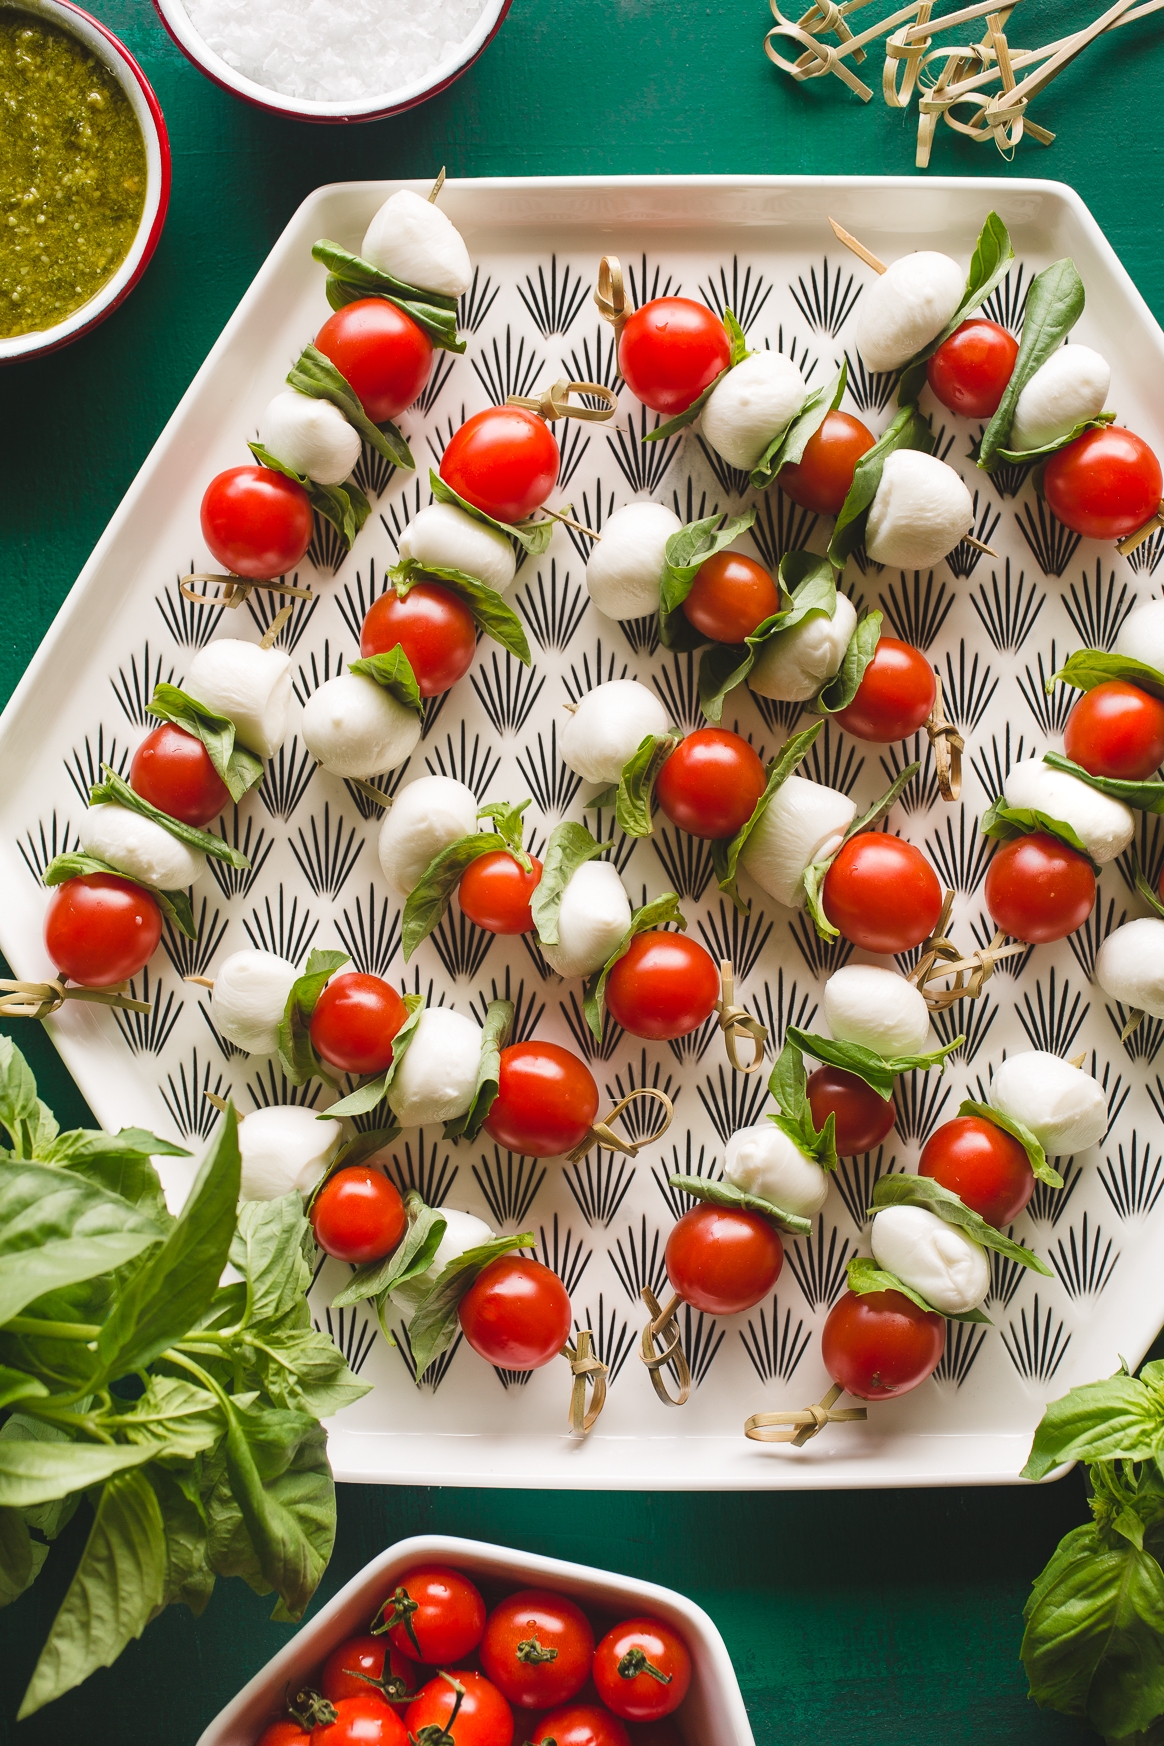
{"type": "Point", "coordinates": [393, 670]}
{"type": "Point", "coordinates": [839, 691]}
{"type": "Point", "coordinates": [816, 874]}
{"type": "Point", "coordinates": [189, 1578]}
{"type": "Point", "coordinates": [497, 619]}
{"type": "Point", "coordinates": [727, 1194]}
{"type": "Point", "coordinates": [433, 1326]}
{"type": "Point", "coordinates": [632, 794]}
{"type": "Point", "coordinates": [1043, 1169]}
{"type": "Point", "coordinates": [269, 1250]}
{"type": "Point", "coordinates": [878, 1072]}
{"type": "Point", "coordinates": [20, 1107]}
{"type": "Point", "coordinates": [726, 854]}
{"type": "Point", "coordinates": [426, 903]}
{"type": "Point", "coordinates": [787, 448]}
{"type": "Point", "coordinates": [177, 909]}
{"type": "Point", "coordinates": [788, 1084]}
{"type": "Point", "coordinates": [296, 1052]}
{"type": "Point", "coordinates": [811, 585]}
{"type": "Point", "coordinates": [116, 791]}
{"type": "Point", "coordinates": [57, 1229]}
{"type": "Point", "coordinates": [495, 1033]}
{"type": "Point", "coordinates": [924, 1191]}
{"type": "Point", "coordinates": [737, 341]}
{"type": "Point", "coordinates": [301, 1370]}
{"type": "Point", "coordinates": [682, 419]}
{"type": "Point", "coordinates": [569, 847]}
{"type": "Point", "coordinates": [413, 1256]}
{"type": "Point", "coordinates": [989, 263]}
{"type": "Point", "coordinates": [350, 278]}
{"type": "Point", "coordinates": [33, 1472]}
{"type": "Point", "coordinates": [367, 1096]}
{"type": "Point", "coordinates": [272, 1515]}
{"type": "Point", "coordinates": [865, 1276]}
{"type": "Point", "coordinates": [535, 536]}
{"type": "Point", "coordinates": [1054, 304]}
{"type": "Point", "coordinates": [1027, 457]}
{"type": "Point", "coordinates": [121, 1163]}
{"type": "Point", "coordinates": [1115, 1420]}
{"type": "Point", "coordinates": [1087, 668]}
{"type": "Point", "coordinates": [345, 506]}
{"type": "Point", "coordinates": [652, 915]}
{"type": "Point", "coordinates": [174, 905]}
{"type": "Point", "coordinates": [16, 1385]}
{"type": "Point", "coordinates": [317, 376]}
{"type": "Point", "coordinates": [239, 769]}
{"type": "Point", "coordinates": [1007, 822]}
{"type": "Point", "coordinates": [1141, 796]}
{"type": "Point", "coordinates": [687, 550]}
{"type": "Point", "coordinates": [176, 1418]}
{"type": "Point", "coordinates": [21, 1557]}
{"type": "Point", "coordinates": [910, 430]}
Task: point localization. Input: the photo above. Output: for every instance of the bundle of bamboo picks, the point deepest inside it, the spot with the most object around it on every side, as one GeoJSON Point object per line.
{"type": "Point", "coordinates": [978, 78]}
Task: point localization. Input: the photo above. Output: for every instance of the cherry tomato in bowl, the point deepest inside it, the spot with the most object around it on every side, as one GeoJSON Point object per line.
{"type": "Point", "coordinates": [580, 1725]}
{"type": "Point", "coordinates": [285, 1732]}
{"type": "Point", "coordinates": [537, 1649]}
{"type": "Point", "coordinates": [358, 1215]}
{"type": "Point", "coordinates": [820, 481]}
{"type": "Point", "coordinates": [663, 986]}
{"type": "Point", "coordinates": [862, 1118]}
{"type": "Point", "coordinates": [435, 1615]}
{"type": "Point", "coordinates": [669, 351]}
{"type": "Point", "coordinates": [348, 1669]}
{"type": "Point", "coordinates": [1038, 890]}
{"type": "Point", "coordinates": [256, 522]}
{"type": "Point", "coordinates": [516, 1313]}
{"type": "Point", "coordinates": [1105, 484]}
{"type": "Point", "coordinates": [983, 1164]}
{"type": "Point", "coordinates": [895, 696]}
{"type": "Point", "coordinates": [882, 893]}
{"type": "Point", "coordinates": [546, 1101]}
{"type": "Point", "coordinates": [969, 371]}
{"type": "Point", "coordinates": [172, 770]}
{"type": "Point", "coordinates": [723, 1260]}
{"type": "Point", "coordinates": [101, 929]}
{"type": "Point", "coordinates": [495, 893]}
{"type": "Point", "coordinates": [355, 1019]}
{"type": "Point", "coordinates": [881, 1344]}
{"type": "Point", "coordinates": [1116, 730]}
{"type": "Point", "coordinates": [381, 352]}
{"type": "Point", "coordinates": [730, 596]}
{"type": "Point", "coordinates": [362, 1721]}
{"type": "Point", "coordinates": [710, 784]}
{"type": "Point", "coordinates": [504, 461]}
{"type": "Point", "coordinates": [642, 1670]}
{"type": "Point", "coordinates": [481, 1717]}
{"type": "Point", "coordinates": [432, 625]}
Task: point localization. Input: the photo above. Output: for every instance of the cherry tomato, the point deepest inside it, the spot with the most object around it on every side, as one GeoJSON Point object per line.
{"type": "Point", "coordinates": [1116, 730]}
{"type": "Point", "coordinates": [483, 1717]}
{"type": "Point", "coordinates": [546, 1101]}
{"type": "Point", "coordinates": [434, 1614]}
{"type": "Point", "coordinates": [663, 986]}
{"type": "Point", "coordinates": [723, 1259]}
{"type": "Point", "coordinates": [516, 1314]}
{"type": "Point", "coordinates": [710, 784]}
{"type": "Point", "coordinates": [821, 479]}
{"type": "Point", "coordinates": [882, 893]}
{"type": "Point", "coordinates": [671, 350]}
{"type": "Point", "coordinates": [969, 371]}
{"type": "Point", "coordinates": [863, 1118]}
{"type": "Point", "coordinates": [172, 770]}
{"type": "Point", "coordinates": [881, 1344]}
{"type": "Point", "coordinates": [374, 1658]}
{"type": "Point", "coordinates": [354, 1022]}
{"type": "Point", "coordinates": [580, 1725]}
{"type": "Point", "coordinates": [358, 1215]}
{"type": "Point", "coordinates": [495, 893]}
{"type": "Point", "coordinates": [256, 522]}
{"type": "Point", "coordinates": [101, 929]}
{"type": "Point", "coordinates": [729, 597]}
{"type": "Point", "coordinates": [1037, 889]}
{"type": "Point", "coordinates": [381, 352]}
{"type": "Point", "coordinates": [642, 1668]}
{"type": "Point", "coordinates": [1105, 484]}
{"type": "Point", "coordinates": [432, 625]}
{"type": "Point", "coordinates": [285, 1732]}
{"type": "Point", "coordinates": [362, 1721]}
{"type": "Point", "coordinates": [503, 461]}
{"type": "Point", "coordinates": [982, 1163]}
{"type": "Point", "coordinates": [895, 696]}
{"type": "Point", "coordinates": [537, 1649]}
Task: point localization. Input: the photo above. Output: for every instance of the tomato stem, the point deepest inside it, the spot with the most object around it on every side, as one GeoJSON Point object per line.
{"type": "Point", "coordinates": [533, 1654]}
{"type": "Point", "coordinates": [635, 1662]}
{"type": "Point", "coordinates": [403, 1607]}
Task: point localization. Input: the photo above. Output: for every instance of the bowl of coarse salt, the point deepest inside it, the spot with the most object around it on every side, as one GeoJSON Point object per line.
{"type": "Point", "coordinates": [333, 60]}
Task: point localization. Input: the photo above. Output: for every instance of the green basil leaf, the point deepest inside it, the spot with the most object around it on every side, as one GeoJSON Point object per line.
{"type": "Point", "coordinates": [16, 1385]}
{"type": "Point", "coordinates": [535, 536]}
{"type": "Point", "coordinates": [816, 874]}
{"type": "Point", "coordinates": [177, 908]}
{"type": "Point", "coordinates": [239, 769]}
{"type": "Point", "coordinates": [350, 277]}
{"type": "Point", "coordinates": [412, 1257]}
{"type": "Point", "coordinates": [727, 1194]}
{"type": "Point", "coordinates": [682, 419]}
{"type": "Point", "coordinates": [686, 551]}
{"type": "Point", "coordinates": [495, 1033]}
{"type": "Point", "coordinates": [300, 1370]}
{"type": "Point", "coordinates": [1043, 1169]}
{"type": "Point", "coordinates": [393, 670]}
{"type": "Point", "coordinates": [33, 1472]}
{"type": "Point", "coordinates": [367, 1096]}
{"type": "Point", "coordinates": [1142, 796]}
{"type": "Point", "coordinates": [989, 263]}
{"type": "Point", "coordinates": [269, 1250]}
{"type": "Point", "coordinates": [345, 506]}
{"type": "Point", "coordinates": [737, 342]}
{"type": "Point", "coordinates": [631, 795]}
{"type": "Point", "coordinates": [497, 619]}
{"type": "Point", "coordinates": [433, 1327]}
{"type": "Point", "coordinates": [296, 1052]}
{"type": "Point", "coordinates": [118, 1162]}
{"type": "Point", "coordinates": [1115, 1420]}
{"type": "Point", "coordinates": [865, 1276]}
{"type": "Point", "coordinates": [272, 1515]}
{"type": "Point", "coordinates": [1007, 822]}
{"type": "Point", "coordinates": [1087, 668]}
{"type": "Point", "coordinates": [426, 903]}
{"type": "Point", "coordinates": [878, 1072]}
{"type": "Point", "coordinates": [174, 905]}
{"type": "Point", "coordinates": [569, 847]}
{"type": "Point", "coordinates": [115, 790]}
{"type": "Point", "coordinates": [726, 854]}
{"type": "Point", "coordinates": [317, 376]}
{"type": "Point", "coordinates": [924, 1191]}
{"type": "Point", "coordinates": [909, 430]}
{"type": "Point", "coordinates": [788, 1084]}
{"type": "Point", "coordinates": [21, 1557]}
{"type": "Point", "coordinates": [652, 915]}
{"type": "Point", "coordinates": [1027, 457]}
{"type": "Point", "coordinates": [20, 1107]}
{"type": "Point", "coordinates": [811, 585]}
{"type": "Point", "coordinates": [1054, 304]}
{"type": "Point", "coordinates": [839, 691]}
{"type": "Point", "coordinates": [189, 1578]}
{"type": "Point", "coordinates": [787, 449]}
{"type": "Point", "coordinates": [57, 1229]}
{"type": "Point", "coordinates": [176, 1418]}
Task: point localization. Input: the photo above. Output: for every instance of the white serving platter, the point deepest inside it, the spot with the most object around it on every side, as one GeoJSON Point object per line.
{"type": "Point", "coordinates": [995, 630]}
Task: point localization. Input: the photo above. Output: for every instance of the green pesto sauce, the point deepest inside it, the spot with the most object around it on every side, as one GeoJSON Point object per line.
{"type": "Point", "coordinates": [72, 174]}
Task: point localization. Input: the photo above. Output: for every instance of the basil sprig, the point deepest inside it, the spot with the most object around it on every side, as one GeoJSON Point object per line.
{"type": "Point", "coordinates": [1087, 668]}
{"type": "Point", "coordinates": [810, 582]}
{"type": "Point", "coordinates": [687, 550]}
{"type": "Point", "coordinates": [817, 872]}
{"type": "Point", "coordinates": [993, 254]}
{"type": "Point", "coordinates": [345, 506]}
{"type": "Point", "coordinates": [725, 1193]}
{"type": "Point", "coordinates": [495, 1034]}
{"type": "Point", "coordinates": [392, 670]}
{"type": "Point", "coordinates": [726, 852]}
{"type": "Point", "coordinates": [910, 430]}
{"type": "Point", "coordinates": [1026, 457]}
{"type": "Point", "coordinates": [838, 692]}
{"type": "Point", "coordinates": [1040, 1165]}
{"type": "Point", "coordinates": [296, 1051]}
{"type": "Point", "coordinates": [1054, 304]}
{"type": "Point", "coordinates": [1142, 796]}
{"type": "Point", "coordinates": [115, 791]}
{"type": "Point", "coordinates": [239, 769]}
{"type": "Point", "coordinates": [787, 448]}
{"type": "Point", "coordinates": [174, 905]}
{"type": "Point", "coordinates": [433, 1326]}
{"type": "Point", "coordinates": [902, 1190]}
{"type": "Point", "coordinates": [631, 795]}
{"type": "Point", "coordinates": [1007, 822]}
{"type": "Point", "coordinates": [495, 617]}
{"type": "Point", "coordinates": [350, 277]}
{"type": "Point", "coordinates": [412, 1256]}
{"type": "Point", "coordinates": [316, 375]}
{"type": "Point", "coordinates": [651, 915]}
{"type": "Point", "coordinates": [865, 1276]}
{"type": "Point", "coordinates": [570, 847]}
{"type": "Point", "coordinates": [878, 1071]}
{"type": "Point", "coordinates": [368, 1095]}
{"type": "Point", "coordinates": [738, 351]}
{"type": "Point", "coordinates": [534, 536]}
{"type": "Point", "coordinates": [426, 903]}
{"type": "Point", "coordinates": [788, 1083]}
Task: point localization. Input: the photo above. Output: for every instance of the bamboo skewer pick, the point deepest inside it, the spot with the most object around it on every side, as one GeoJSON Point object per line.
{"type": "Point", "coordinates": [797, 1428]}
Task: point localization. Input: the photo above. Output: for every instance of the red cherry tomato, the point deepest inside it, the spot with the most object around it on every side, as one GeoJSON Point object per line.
{"type": "Point", "coordinates": [821, 479]}
{"type": "Point", "coordinates": [354, 1022]}
{"type": "Point", "coordinates": [256, 522]}
{"type": "Point", "coordinates": [663, 986]}
{"type": "Point", "coordinates": [1037, 889]}
{"type": "Point", "coordinates": [358, 1215]}
{"type": "Point", "coordinates": [284, 1732]}
{"type": "Point", "coordinates": [862, 1117]}
{"type": "Point", "coordinates": [982, 1163]}
{"type": "Point", "coordinates": [375, 1659]}
{"type": "Point", "coordinates": [729, 597]}
{"type": "Point", "coordinates": [723, 1260]}
{"type": "Point", "coordinates": [434, 1614]}
{"type": "Point", "coordinates": [101, 929]}
{"type": "Point", "coordinates": [882, 893]}
{"type": "Point", "coordinates": [882, 1344]}
{"type": "Point", "coordinates": [495, 892]}
{"type": "Point", "coordinates": [710, 784]}
{"type": "Point", "coordinates": [516, 1313]}
{"type": "Point", "coordinates": [670, 351]}
{"type": "Point", "coordinates": [172, 770]}
{"type": "Point", "coordinates": [432, 625]}
{"type": "Point", "coordinates": [362, 1721]}
{"type": "Point", "coordinates": [546, 1101]}
{"type": "Point", "coordinates": [969, 371]}
{"type": "Point", "coordinates": [895, 696]}
{"type": "Point", "coordinates": [1116, 730]}
{"type": "Point", "coordinates": [537, 1649]}
{"type": "Point", "coordinates": [580, 1725]}
{"type": "Point", "coordinates": [1105, 484]}
{"type": "Point", "coordinates": [385, 357]}
{"type": "Point", "coordinates": [642, 1669]}
{"type": "Point", "coordinates": [483, 1717]}
{"type": "Point", "coordinates": [503, 461]}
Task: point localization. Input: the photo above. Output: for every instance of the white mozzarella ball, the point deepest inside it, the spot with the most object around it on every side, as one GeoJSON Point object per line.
{"type": "Point", "coordinates": [139, 848]}
{"type": "Point", "coordinates": [907, 307]}
{"type": "Point", "coordinates": [1130, 965]}
{"type": "Point", "coordinates": [462, 1232]}
{"type": "Point", "coordinates": [438, 1075]}
{"type": "Point", "coordinates": [594, 914]}
{"type": "Point", "coordinates": [425, 818]}
{"type": "Point", "coordinates": [763, 1161]}
{"type": "Point", "coordinates": [1062, 1106]}
{"type": "Point", "coordinates": [877, 1009]}
{"type": "Point", "coordinates": [414, 241]}
{"type": "Point", "coordinates": [608, 727]}
{"type": "Point", "coordinates": [443, 536]}
{"type": "Point", "coordinates": [919, 512]}
{"type": "Point", "coordinates": [795, 664]}
{"type": "Point", "coordinates": [802, 823]}
{"type": "Point", "coordinates": [283, 1148]}
{"type": "Point", "coordinates": [310, 436]}
{"type": "Point", "coordinates": [1104, 826]}
{"type": "Point", "coordinates": [624, 572]}
{"type": "Point", "coordinates": [749, 406]}
{"type": "Point", "coordinates": [1070, 387]}
{"type": "Point", "coordinates": [250, 685]}
{"type": "Point", "coordinates": [940, 1262]}
{"type": "Point", "coordinates": [354, 727]}
{"type": "Point", "coordinates": [250, 998]}
{"type": "Point", "coordinates": [1141, 635]}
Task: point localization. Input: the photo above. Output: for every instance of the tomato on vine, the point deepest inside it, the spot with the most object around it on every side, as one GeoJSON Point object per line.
{"type": "Point", "coordinates": [495, 893]}
{"type": "Point", "coordinates": [537, 1649]}
{"type": "Point", "coordinates": [101, 929]}
{"type": "Point", "coordinates": [669, 351]}
{"type": "Point", "coordinates": [256, 522]}
{"type": "Point", "coordinates": [722, 1260]}
{"type": "Point", "coordinates": [434, 1615]}
{"type": "Point", "coordinates": [862, 1117]}
{"type": "Point", "coordinates": [1038, 890]}
{"type": "Point", "coordinates": [358, 1215]}
{"type": "Point", "coordinates": [504, 461]}
{"type": "Point", "coordinates": [710, 784]}
{"type": "Point", "coordinates": [546, 1101]}
{"type": "Point", "coordinates": [882, 893]}
{"type": "Point", "coordinates": [895, 696]}
{"type": "Point", "coordinates": [982, 1163]}
{"type": "Point", "coordinates": [664, 986]}
{"type": "Point", "coordinates": [881, 1344]}
{"type": "Point", "coordinates": [969, 371]}
{"type": "Point", "coordinates": [432, 625]}
{"type": "Point", "coordinates": [642, 1670]}
{"type": "Point", "coordinates": [821, 479]}
{"type": "Point", "coordinates": [381, 352]}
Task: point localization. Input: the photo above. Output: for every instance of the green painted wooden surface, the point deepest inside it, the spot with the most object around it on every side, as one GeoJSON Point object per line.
{"type": "Point", "coordinates": [885, 1618]}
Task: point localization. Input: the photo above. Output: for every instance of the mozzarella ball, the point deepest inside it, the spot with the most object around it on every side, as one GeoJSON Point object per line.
{"type": "Point", "coordinates": [354, 727]}
{"type": "Point", "coordinates": [462, 1231]}
{"type": "Point", "coordinates": [1062, 1106]}
{"type": "Point", "coordinates": [907, 307]}
{"type": "Point", "coordinates": [1141, 635]}
{"type": "Point", "coordinates": [939, 1261]}
{"type": "Point", "coordinates": [802, 823]}
{"type": "Point", "coordinates": [250, 685]}
{"type": "Point", "coordinates": [625, 570]}
{"type": "Point", "coordinates": [594, 914]}
{"type": "Point", "coordinates": [1104, 826]}
{"type": "Point", "coordinates": [283, 1148]}
{"type": "Point", "coordinates": [250, 998]}
{"type": "Point", "coordinates": [425, 818]}
{"type": "Point", "coordinates": [794, 664]}
{"type": "Point", "coordinates": [412, 239]}
{"type": "Point", "coordinates": [878, 1009]}
{"type": "Point", "coordinates": [919, 512]}
{"type": "Point", "coordinates": [1070, 387]}
{"type": "Point", "coordinates": [608, 727]}
{"type": "Point", "coordinates": [1130, 965]}
{"type": "Point", "coordinates": [445, 537]}
{"type": "Point", "coordinates": [139, 848]}
{"type": "Point", "coordinates": [749, 406]}
{"type": "Point", "coordinates": [765, 1162]}
{"type": "Point", "coordinates": [311, 436]}
{"type": "Point", "coordinates": [438, 1075]}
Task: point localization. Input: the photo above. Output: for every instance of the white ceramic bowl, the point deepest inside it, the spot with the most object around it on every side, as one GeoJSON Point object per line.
{"type": "Point", "coordinates": [114, 55]}
{"type": "Point", "coordinates": [712, 1713]}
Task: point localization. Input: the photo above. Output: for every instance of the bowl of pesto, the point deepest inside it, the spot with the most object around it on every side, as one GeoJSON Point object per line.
{"type": "Point", "coordinates": [84, 175]}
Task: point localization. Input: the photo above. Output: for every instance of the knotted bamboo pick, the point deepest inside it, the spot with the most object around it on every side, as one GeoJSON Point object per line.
{"type": "Point", "coordinates": [798, 1427]}
{"type": "Point", "coordinates": [940, 957]}
{"type": "Point", "coordinates": [588, 1371]}
{"type": "Point", "coordinates": [602, 1134]}
{"type": "Point", "coordinates": [736, 1022]}
{"type": "Point", "coordinates": [554, 403]}
{"type": "Point", "coordinates": [664, 1326]}
{"type": "Point", "coordinates": [948, 746]}
{"type": "Point", "coordinates": [39, 1000]}
{"type": "Point", "coordinates": [234, 589]}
